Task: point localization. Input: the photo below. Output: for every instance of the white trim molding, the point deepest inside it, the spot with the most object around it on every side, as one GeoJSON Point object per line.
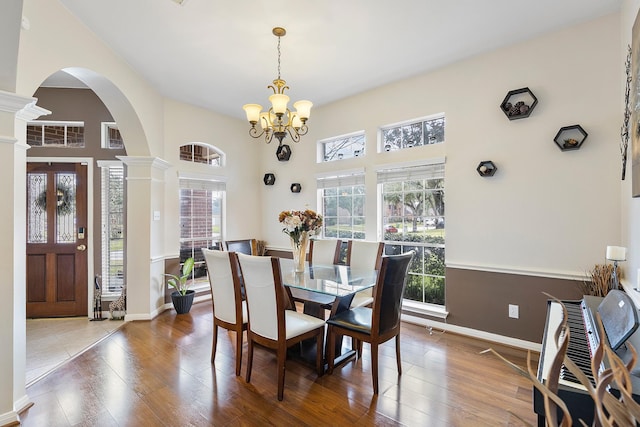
{"type": "Point", "coordinates": [565, 275]}
{"type": "Point", "coordinates": [473, 333]}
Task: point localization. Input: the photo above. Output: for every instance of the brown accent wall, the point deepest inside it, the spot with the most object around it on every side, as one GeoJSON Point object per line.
{"type": "Point", "coordinates": [80, 105]}
{"type": "Point", "coordinates": [479, 300]}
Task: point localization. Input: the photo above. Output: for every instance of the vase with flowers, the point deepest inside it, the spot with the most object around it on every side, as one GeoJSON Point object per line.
{"type": "Point", "coordinates": [299, 226]}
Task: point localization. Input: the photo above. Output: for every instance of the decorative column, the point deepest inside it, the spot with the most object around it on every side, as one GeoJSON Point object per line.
{"type": "Point", "coordinates": [144, 236]}
{"type": "Point", "coordinates": [15, 111]}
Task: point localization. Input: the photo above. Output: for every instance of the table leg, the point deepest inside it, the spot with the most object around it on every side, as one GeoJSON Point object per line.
{"type": "Point", "coordinates": [340, 304]}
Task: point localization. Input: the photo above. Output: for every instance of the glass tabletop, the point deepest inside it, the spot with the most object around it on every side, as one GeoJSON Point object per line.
{"type": "Point", "coordinates": [335, 280]}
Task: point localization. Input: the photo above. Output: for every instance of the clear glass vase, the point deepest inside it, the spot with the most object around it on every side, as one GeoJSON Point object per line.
{"type": "Point", "coordinates": [299, 250]}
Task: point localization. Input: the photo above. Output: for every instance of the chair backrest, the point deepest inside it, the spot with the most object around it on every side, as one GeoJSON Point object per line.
{"type": "Point", "coordinates": [225, 285]}
{"type": "Point", "coordinates": [389, 289]}
{"type": "Point", "coordinates": [245, 246]}
{"type": "Point", "coordinates": [324, 251]}
{"type": "Point", "coordinates": [265, 295]}
{"type": "Point", "coordinates": [364, 255]}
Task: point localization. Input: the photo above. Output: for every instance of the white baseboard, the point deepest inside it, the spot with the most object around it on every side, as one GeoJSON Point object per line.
{"type": "Point", "coordinates": [487, 336]}
{"type": "Point", "coordinates": [9, 418]}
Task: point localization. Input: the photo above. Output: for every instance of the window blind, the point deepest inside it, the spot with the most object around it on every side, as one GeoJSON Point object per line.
{"type": "Point", "coordinates": [340, 180]}
{"type": "Point", "coordinates": [430, 171]}
{"type": "Point", "coordinates": [200, 184]}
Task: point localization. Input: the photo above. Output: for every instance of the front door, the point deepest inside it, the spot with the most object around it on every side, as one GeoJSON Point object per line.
{"type": "Point", "coordinates": [56, 239]}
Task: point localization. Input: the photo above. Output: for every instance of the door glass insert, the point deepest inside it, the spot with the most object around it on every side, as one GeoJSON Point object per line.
{"type": "Point", "coordinates": [65, 207]}
{"type": "Point", "coordinates": [37, 208]}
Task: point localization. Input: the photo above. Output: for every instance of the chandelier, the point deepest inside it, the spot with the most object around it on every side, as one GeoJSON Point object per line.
{"type": "Point", "coordinates": [278, 120]}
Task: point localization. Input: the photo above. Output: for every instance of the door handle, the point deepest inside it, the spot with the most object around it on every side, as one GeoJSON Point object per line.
{"type": "Point", "coordinates": [81, 248]}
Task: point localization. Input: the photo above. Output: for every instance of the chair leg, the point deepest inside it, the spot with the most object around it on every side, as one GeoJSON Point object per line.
{"type": "Point", "coordinates": [319, 358]}
{"type": "Point", "coordinates": [398, 360]}
{"type": "Point", "coordinates": [331, 347]}
{"type": "Point", "coordinates": [238, 351]}
{"type": "Point", "coordinates": [374, 366]}
{"type": "Point", "coordinates": [282, 355]}
{"type": "Point", "coordinates": [214, 343]}
{"type": "Point", "coordinates": [249, 358]}
{"type": "Point", "coordinates": [359, 348]}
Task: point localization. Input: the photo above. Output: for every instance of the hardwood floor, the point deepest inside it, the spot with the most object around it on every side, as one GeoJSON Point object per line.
{"type": "Point", "coordinates": [158, 373]}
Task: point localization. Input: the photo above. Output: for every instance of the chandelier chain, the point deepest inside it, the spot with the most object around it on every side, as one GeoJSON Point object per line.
{"type": "Point", "coordinates": [278, 57]}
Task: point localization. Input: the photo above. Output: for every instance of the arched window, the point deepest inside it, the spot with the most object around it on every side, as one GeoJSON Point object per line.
{"type": "Point", "coordinates": [201, 153]}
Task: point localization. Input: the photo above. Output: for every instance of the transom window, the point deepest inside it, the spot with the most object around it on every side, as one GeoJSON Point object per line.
{"type": "Point", "coordinates": [414, 133]}
{"type": "Point", "coordinates": [341, 147]}
{"type": "Point", "coordinates": [200, 153]}
{"type": "Point", "coordinates": [111, 137]}
{"type": "Point", "coordinates": [413, 218]}
{"type": "Point", "coordinates": [44, 133]}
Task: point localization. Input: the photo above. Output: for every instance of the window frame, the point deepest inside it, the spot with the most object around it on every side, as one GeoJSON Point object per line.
{"type": "Point", "coordinates": [422, 121]}
{"type": "Point", "coordinates": [394, 173]}
{"type": "Point", "coordinates": [321, 144]}
{"type": "Point", "coordinates": [335, 180]}
{"type": "Point", "coordinates": [204, 146]}
{"type": "Point", "coordinates": [56, 123]}
{"type": "Point", "coordinates": [106, 216]}
{"type": "Point", "coordinates": [210, 184]}
{"type": "Point", "coordinates": [104, 135]}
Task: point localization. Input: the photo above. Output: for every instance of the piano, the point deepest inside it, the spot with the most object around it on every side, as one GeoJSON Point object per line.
{"type": "Point", "coordinates": [620, 321]}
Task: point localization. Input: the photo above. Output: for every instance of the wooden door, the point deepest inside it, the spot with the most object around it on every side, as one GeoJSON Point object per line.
{"type": "Point", "coordinates": [56, 239]}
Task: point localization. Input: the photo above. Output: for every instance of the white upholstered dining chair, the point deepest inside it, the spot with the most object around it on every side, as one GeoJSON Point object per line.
{"type": "Point", "coordinates": [229, 310]}
{"type": "Point", "coordinates": [364, 255]}
{"type": "Point", "coordinates": [324, 251]}
{"type": "Point", "coordinates": [271, 324]}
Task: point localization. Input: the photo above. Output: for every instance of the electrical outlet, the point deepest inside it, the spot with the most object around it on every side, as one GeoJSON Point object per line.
{"type": "Point", "coordinates": [513, 311]}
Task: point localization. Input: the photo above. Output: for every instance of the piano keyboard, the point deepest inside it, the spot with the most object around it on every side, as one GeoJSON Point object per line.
{"type": "Point", "coordinates": [580, 348]}
{"type": "Point", "coordinates": [583, 340]}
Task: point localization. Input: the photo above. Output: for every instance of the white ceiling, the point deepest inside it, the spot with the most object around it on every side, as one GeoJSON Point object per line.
{"type": "Point", "coordinates": [221, 54]}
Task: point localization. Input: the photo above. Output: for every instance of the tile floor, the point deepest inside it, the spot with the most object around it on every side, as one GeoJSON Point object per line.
{"type": "Point", "coordinates": [51, 342]}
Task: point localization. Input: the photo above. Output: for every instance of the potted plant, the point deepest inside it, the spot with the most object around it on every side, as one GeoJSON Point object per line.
{"type": "Point", "coordinates": [182, 297]}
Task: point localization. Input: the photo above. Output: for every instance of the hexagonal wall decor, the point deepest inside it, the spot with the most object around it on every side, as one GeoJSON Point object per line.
{"type": "Point", "coordinates": [519, 103]}
{"type": "Point", "coordinates": [296, 187]}
{"type": "Point", "coordinates": [486, 168]}
{"type": "Point", "coordinates": [570, 137]}
{"type": "Point", "coordinates": [269, 179]}
{"type": "Point", "coordinates": [283, 153]}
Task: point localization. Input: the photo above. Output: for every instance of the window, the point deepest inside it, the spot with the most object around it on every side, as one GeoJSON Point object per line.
{"type": "Point", "coordinates": [55, 134]}
{"type": "Point", "coordinates": [341, 147]}
{"type": "Point", "coordinates": [413, 218]}
{"type": "Point", "coordinates": [342, 205]}
{"type": "Point", "coordinates": [414, 133]}
{"type": "Point", "coordinates": [200, 153]}
{"type": "Point", "coordinates": [201, 208]}
{"type": "Point", "coordinates": [112, 213]}
{"type": "Point", "coordinates": [111, 137]}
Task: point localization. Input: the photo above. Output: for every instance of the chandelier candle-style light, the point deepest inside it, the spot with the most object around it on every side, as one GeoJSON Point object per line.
{"type": "Point", "coordinates": [278, 121]}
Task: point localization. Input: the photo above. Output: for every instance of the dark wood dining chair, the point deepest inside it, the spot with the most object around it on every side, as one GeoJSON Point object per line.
{"type": "Point", "coordinates": [378, 324]}
{"type": "Point", "coordinates": [229, 310]}
{"type": "Point", "coordinates": [271, 324]}
{"type": "Point", "coordinates": [364, 255]}
{"type": "Point", "coordinates": [244, 246]}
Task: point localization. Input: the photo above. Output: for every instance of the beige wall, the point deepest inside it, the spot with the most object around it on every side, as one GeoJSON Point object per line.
{"type": "Point", "coordinates": [546, 216]}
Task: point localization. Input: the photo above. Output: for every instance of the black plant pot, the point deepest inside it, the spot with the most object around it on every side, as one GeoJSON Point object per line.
{"type": "Point", "coordinates": [182, 303]}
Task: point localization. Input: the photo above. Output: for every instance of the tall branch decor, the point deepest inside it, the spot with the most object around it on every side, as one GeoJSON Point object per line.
{"type": "Point", "coordinates": [624, 130]}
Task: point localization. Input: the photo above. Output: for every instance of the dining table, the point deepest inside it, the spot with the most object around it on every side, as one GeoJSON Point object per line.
{"type": "Point", "coordinates": [323, 287]}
